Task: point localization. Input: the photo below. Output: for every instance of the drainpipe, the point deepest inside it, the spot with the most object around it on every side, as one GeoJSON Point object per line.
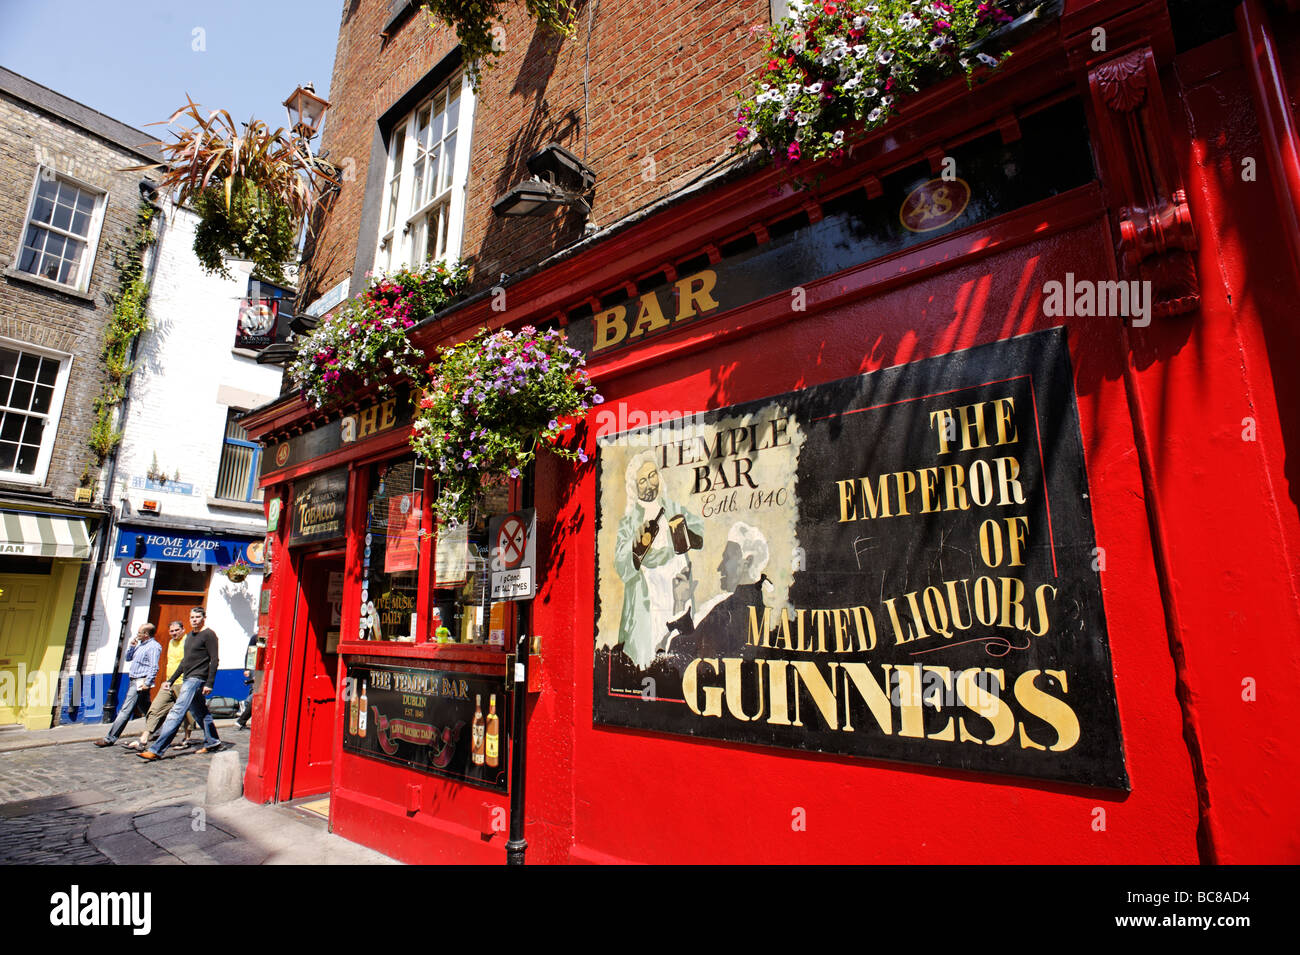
{"type": "Point", "coordinates": [517, 845]}
{"type": "Point", "coordinates": [149, 193]}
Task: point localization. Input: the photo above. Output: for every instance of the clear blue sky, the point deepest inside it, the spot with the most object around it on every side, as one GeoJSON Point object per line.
{"type": "Point", "coordinates": [136, 59]}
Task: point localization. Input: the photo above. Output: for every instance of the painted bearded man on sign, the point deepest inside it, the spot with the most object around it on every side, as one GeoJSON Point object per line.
{"type": "Point", "coordinates": [724, 620]}
{"type": "Point", "coordinates": [654, 538]}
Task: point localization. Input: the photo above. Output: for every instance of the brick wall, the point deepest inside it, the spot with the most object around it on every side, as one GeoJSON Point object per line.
{"type": "Point", "coordinates": [656, 111]}
{"type": "Point", "coordinates": [33, 314]}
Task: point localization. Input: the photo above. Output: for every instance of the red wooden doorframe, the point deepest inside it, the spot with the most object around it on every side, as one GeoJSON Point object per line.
{"type": "Point", "coordinates": [306, 743]}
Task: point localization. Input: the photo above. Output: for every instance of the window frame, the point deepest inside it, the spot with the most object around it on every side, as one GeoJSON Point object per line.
{"type": "Point", "coordinates": [251, 489]}
{"type": "Point", "coordinates": [393, 247]}
{"type": "Point", "coordinates": [87, 266]}
{"type": "Point", "coordinates": [50, 434]}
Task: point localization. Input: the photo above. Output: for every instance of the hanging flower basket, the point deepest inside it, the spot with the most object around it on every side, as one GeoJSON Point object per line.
{"type": "Point", "coordinates": [833, 69]}
{"type": "Point", "coordinates": [364, 343]}
{"type": "Point", "coordinates": [251, 186]}
{"type": "Point", "coordinates": [494, 402]}
{"type": "Point", "coordinates": [236, 572]}
{"type": "Point", "coordinates": [252, 225]}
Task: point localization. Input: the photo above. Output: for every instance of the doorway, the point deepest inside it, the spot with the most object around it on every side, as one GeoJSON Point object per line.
{"type": "Point", "coordinates": [177, 587]}
{"type": "Point", "coordinates": [26, 605]}
{"type": "Point", "coordinates": [308, 743]}
{"type": "Point", "coordinates": [165, 607]}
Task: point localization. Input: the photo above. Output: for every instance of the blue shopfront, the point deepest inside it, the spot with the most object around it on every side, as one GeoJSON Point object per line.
{"type": "Point", "coordinates": [155, 576]}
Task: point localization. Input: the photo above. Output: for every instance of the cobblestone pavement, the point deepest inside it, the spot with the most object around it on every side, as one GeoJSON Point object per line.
{"type": "Point", "coordinates": [74, 803]}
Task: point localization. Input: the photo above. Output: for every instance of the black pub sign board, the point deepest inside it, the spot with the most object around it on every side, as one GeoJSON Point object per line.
{"type": "Point", "coordinates": [377, 418]}
{"type": "Point", "coordinates": [444, 722]}
{"type": "Point", "coordinates": [914, 206]}
{"type": "Point", "coordinates": [900, 565]}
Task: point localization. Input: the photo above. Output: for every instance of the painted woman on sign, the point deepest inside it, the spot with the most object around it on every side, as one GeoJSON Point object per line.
{"type": "Point", "coordinates": [654, 538]}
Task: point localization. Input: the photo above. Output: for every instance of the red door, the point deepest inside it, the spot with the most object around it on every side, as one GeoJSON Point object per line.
{"type": "Point", "coordinates": [309, 746]}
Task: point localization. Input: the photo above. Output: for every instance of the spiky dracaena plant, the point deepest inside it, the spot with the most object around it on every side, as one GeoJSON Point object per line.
{"type": "Point", "coordinates": [251, 185]}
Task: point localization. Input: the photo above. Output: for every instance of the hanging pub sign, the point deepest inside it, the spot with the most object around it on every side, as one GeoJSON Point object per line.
{"type": "Point", "coordinates": [319, 507]}
{"type": "Point", "coordinates": [443, 722]}
{"type": "Point", "coordinates": [899, 565]}
{"type": "Point", "coordinates": [256, 326]}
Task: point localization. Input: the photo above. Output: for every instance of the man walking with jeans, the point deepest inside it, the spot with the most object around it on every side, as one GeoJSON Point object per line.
{"type": "Point", "coordinates": [166, 695]}
{"type": "Point", "coordinates": [143, 655]}
{"type": "Point", "coordinates": [198, 668]}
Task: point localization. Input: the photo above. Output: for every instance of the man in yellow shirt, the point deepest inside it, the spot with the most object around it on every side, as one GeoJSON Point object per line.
{"type": "Point", "coordinates": [162, 703]}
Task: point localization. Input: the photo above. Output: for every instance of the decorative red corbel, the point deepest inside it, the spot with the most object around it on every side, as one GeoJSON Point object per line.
{"type": "Point", "coordinates": [1143, 182]}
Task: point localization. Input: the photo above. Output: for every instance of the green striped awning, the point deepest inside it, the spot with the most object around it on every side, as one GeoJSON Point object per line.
{"type": "Point", "coordinates": [43, 535]}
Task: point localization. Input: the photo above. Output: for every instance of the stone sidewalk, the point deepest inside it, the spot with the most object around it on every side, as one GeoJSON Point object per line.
{"type": "Point", "coordinates": [64, 801]}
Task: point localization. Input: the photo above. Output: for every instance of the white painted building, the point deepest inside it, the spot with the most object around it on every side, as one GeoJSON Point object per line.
{"type": "Point", "coordinates": [185, 486]}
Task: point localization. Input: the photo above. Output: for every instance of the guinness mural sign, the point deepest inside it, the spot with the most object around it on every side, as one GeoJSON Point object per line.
{"type": "Point", "coordinates": [899, 565]}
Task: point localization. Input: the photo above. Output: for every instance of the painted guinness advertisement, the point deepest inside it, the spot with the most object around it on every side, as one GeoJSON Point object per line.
{"type": "Point", "coordinates": [899, 565]}
{"type": "Point", "coordinates": [448, 723]}
{"type": "Point", "coordinates": [319, 507]}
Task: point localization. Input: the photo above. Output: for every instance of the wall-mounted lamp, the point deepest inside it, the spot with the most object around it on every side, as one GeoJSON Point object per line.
{"type": "Point", "coordinates": [559, 179]}
{"type": "Point", "coordinates": [305, 110]}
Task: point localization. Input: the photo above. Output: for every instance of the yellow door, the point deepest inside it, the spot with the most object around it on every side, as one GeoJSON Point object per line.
{"type": "Point", "coordinates": [24, 606]}
{"type": "Point", "coordinates": [35, 610]}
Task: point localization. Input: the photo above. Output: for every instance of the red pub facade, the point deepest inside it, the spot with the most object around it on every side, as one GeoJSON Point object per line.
{"type": "Point", "coordinates": [953, 556]}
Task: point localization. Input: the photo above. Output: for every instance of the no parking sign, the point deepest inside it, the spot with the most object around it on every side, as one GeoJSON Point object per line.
{"type": "Point", "coordinates": [134, 573]}
{"type": "Point", "coordinates": [512, 538]}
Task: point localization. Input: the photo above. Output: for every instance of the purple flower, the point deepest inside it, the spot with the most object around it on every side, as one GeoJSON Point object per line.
{"type": "Point", "coordinates": [553, 424]}
{"type": "Point", "coordinates": [466, 454]}
{"type": "Point", "coordinates": [582, 456]}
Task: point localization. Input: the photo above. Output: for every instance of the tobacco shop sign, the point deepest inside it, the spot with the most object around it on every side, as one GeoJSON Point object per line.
{"type": "Point", "coordinates": [319, 507]}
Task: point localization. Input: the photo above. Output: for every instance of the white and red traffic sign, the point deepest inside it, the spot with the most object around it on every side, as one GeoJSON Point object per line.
{"type": "Point", "coordinates": [512, 540]}
{"type": "Point", "coordinates": [514, 554]}
{"type": "Point", "coordinates": [135, 573]}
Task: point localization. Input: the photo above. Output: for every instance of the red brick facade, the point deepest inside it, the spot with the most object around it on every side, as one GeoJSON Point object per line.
{"type": "Point", "coordinates": [656, 111]}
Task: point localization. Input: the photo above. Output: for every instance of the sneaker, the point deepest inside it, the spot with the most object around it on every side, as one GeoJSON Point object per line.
{"type": "Point", "coordinates": [103, 742]}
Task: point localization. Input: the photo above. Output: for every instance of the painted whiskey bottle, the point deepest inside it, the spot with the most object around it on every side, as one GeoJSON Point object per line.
{"type": "Point", "coordinates": [492, 742]}
{"type": "Point", "coordinates": [478, 732]}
